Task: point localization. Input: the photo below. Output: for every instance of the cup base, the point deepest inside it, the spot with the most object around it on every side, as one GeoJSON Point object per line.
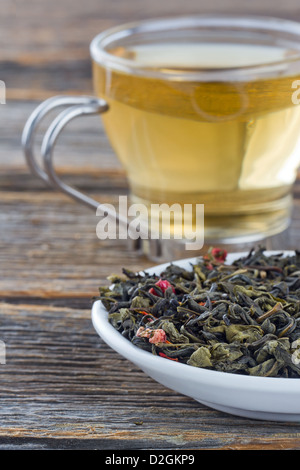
{"type": "Point", "coordinates": [237, 228]}
{"type": "Point", "coordinates": [246, 228]}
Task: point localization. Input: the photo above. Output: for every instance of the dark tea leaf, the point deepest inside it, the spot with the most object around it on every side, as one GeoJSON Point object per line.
{"type": "Point", "coordinates": [242, 318]}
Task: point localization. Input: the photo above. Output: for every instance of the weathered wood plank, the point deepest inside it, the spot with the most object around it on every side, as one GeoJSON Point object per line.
{"type": "Point", "coordinates": [49, 246]}
{"type": "Point", "coordinates": [62, 386]}
{"type": "Point", "coordinates": [45, 46]}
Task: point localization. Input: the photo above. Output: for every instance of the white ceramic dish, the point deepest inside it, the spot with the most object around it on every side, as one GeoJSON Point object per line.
{"type": "Point", "coordinates": [266, 398]}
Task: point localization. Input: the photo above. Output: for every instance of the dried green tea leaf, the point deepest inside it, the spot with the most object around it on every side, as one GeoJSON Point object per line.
{"type": "Point", "coordinates": [243, 333]}
{"type": "Point", "coordinates": [172, 333]}
{"type": "Point", "coordinates": [140, 302]}
{"type": "Point", "coordinates": [269, 368]}
{"type": "Point", "coordinates": [229, 352]}
{"type": "Point", "coordinates": [200, 358]}
{"type": "Point", "coordinates": [242, 318]}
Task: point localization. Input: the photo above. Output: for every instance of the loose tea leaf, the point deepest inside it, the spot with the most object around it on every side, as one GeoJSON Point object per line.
{"type": "Point", "coordinates": [242, 318]}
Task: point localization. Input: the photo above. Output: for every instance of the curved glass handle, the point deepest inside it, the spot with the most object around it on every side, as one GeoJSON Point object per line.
{"type": "Point", "coordinates": [156, 249]}
{"type": "Point", "coordinates": [77, 106]}
{"type": "Point", "coordinates": [34, 120]}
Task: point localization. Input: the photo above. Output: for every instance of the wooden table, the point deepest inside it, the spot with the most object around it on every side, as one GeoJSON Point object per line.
{"type": "Point", "coordinates": [61, 386]}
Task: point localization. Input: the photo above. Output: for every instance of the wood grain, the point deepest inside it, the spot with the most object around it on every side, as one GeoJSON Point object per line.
{"type": "Point", "coordinates": [61, 386]}
{"type": "Point", "coordinates": [45, 45]}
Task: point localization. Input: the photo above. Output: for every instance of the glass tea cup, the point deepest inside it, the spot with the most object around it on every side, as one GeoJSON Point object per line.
{"type": "Point", "coordinates": [201, 111]}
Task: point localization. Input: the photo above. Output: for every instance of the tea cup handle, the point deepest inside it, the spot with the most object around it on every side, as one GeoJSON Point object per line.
{"type": "Point", "coordinates": [156, 248]}
{"type": "Point", "coordinates": [76, 106]}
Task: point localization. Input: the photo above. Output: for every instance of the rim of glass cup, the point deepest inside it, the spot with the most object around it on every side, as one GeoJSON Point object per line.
{"type": "Point", "coordinates": [261, 23]}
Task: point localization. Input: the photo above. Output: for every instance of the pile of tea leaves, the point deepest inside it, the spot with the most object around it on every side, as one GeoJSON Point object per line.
{"type": "Point", "coordinates": [241, 318]}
